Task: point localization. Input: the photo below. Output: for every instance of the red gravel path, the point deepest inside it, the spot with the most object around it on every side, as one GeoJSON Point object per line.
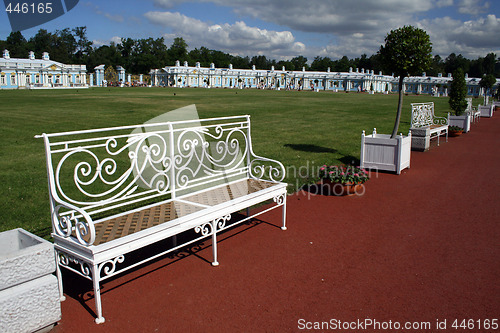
{"type": "Point", "coordinates": [422, 246]}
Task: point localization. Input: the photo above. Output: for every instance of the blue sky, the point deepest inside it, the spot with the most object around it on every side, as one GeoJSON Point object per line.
{"type": "Point", "coordinates": [282, 29]}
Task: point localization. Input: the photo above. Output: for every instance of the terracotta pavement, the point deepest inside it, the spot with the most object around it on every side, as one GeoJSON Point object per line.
{"type": "Point", "coordinates": [421, 248]}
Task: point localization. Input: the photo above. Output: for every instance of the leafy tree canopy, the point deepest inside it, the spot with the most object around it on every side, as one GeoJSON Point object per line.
{"type": "Point", "coordinates": [458, 92]}
{"type": "Point", "coordinates": [407, 51]}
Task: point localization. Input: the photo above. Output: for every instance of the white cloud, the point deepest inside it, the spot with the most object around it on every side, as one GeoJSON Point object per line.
{"type": "Point", "coordinates": [444, 3]}
{"type": "Point", "coordinates": [98, 11]}
{"type": "Point", "coordinates": [471, 38]}
{"type": "Point", "coordinates": [167, 4]}
{"type": "Point", "coordinates": [353, 27]}
{"type": "Point", "coordinates": [237, 38]}
{"type": "Point", "coordinates": [472, 7]}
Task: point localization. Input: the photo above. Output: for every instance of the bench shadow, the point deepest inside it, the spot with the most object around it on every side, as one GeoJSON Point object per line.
{"type": "Point", "coordinates": [310, 148]}
{"type": "Point", "coordinates": [81, 289]}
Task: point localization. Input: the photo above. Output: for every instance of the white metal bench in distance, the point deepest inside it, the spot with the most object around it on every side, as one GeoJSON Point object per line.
{"type": "Point", "coordinates": [116, 190]}
{"type": "Point", "coordinates": [422, 115]}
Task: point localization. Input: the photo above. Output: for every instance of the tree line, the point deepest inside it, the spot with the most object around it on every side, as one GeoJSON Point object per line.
{"type": "Point", "coordinates": [139, 56]}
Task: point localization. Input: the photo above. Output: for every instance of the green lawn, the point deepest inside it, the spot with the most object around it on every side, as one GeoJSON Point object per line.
{"type": "Point", "coordinates": [300, 129]}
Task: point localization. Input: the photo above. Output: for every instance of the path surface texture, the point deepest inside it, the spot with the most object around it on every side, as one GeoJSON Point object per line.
{"type": "Point", "coordinates": [419, 249]}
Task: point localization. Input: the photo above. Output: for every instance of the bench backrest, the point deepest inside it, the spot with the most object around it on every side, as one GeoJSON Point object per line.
{"type": "Point", "coordinates": [422, 114]}
{"type": "Point", "coordinates": [105, 171]}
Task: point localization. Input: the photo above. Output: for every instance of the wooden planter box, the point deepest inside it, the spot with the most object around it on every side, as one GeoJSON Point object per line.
{"type": "Point", "coordinates": [29, 292]}
{"type": "Point", "coordinates": [380, 152]}
{"type": "Point", "coordinates": [460, 121]}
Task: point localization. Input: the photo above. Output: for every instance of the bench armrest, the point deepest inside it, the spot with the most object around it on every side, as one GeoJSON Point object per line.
{"type": "Point", "coordinates": [440, 121]}
{"type": "Point", "coordinates": [266, 169]}
{"type": "Point", "coordinates": [72, 222]}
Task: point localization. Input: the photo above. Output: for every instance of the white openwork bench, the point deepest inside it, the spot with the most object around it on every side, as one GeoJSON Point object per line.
{"type": "Point", "coordinates": [422, 116]}
{"type": "Point", "coordinates": [116, 190]}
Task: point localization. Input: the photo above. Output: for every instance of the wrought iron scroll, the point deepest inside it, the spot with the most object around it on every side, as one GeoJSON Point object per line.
{"type": "Point", "coordinates": [66, 260]}
{"type": "Point", "coordinates": [98, 167]}
{"type": "Point", "coordinates": [206, 153]}
{"type": "Point", "coordinates": [81, 224]}
{"type": "Point", "coordinates": [422, 114]}
{"type": "Point", "coordinates": [207, 228]}
{"type": "Point", "coordinates": [109, 267]}
{"type": "Point", "coordinates": [280, 199]}
{"type": "Point", "coordinates": [266, 169]}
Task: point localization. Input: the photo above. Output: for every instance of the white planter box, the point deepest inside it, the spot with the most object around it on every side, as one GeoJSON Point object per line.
{"type": "Point", "coordinates": [24, 257]}
{"type": "Point", "coordinates": [460, 121]}
{"type": "Point", "coordinates": [380, 152]}
{"type": "Point", "coordinates": [486, 110]}
{"type": "Point", "coordinates": [30, 306]}
{"type": "Point", "coordinates": [29, 292]}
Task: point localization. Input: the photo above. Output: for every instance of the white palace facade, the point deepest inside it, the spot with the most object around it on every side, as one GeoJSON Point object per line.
{"type": "Point", "coordinates": [352, 81]}
{"type": "Point", "coordinates": [42, 73]}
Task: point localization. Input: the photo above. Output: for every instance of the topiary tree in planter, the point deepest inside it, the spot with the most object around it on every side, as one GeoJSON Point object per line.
{"type": "Point", "coordinates": [458, 103]}
{"type": "Point", "coordinates": [458, 92]}
{"type": "Point", "coordinates": [407, 51]}
{"type": "Point", "coordinates": [487, 82]}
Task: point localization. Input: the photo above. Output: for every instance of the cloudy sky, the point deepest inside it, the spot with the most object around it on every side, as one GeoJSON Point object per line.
{"type": "Point", "coordinates": [283, 29]}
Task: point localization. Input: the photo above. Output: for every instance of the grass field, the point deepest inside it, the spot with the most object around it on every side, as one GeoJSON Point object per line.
{"type": "Point", "coordinates": [297, 128]}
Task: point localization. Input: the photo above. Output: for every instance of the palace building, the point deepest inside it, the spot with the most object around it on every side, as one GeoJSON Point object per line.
{"type": "Point", "coordinates": [352, 81]}
{"type": "Point", "coordinates": [31, 73]}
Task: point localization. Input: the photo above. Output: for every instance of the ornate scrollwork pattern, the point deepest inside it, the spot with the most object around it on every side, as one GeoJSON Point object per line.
{"type": "Point", "coordinates": [204, 229]}
{"type": "Point", "coordinates": [96, 174]}
{"type": "Point", "coordinates": [208, 152]}
{"type": "Point", "coordinates": [109, 267]}
{"type": "Point", "coordinates": [65, 225]}
{"type": "Point", "coordinates": [422, 114]}
{"type": "Point", "coordinates": [440, 121]}
{"type": "Point", "coordinates": [220, 222]}
{"type": "Point", "coordinates": [280, 199]}
{"type": "Point", "coordinates": [66, 260]}
{"type": "Point", "coordinates": [207, 228]}
{"type": "Point", "coordinates": [267, 169]}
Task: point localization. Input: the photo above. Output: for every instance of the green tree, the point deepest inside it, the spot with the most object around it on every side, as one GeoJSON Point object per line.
{"type": "Point", "coordinates": [321, 64]}
{"type": "Point", "coordinates": [299, 62]}
{"type": "Point", "coordinates": [343, 64]}
{"type": "Point", "coordinates": [407, 51]}
{"type": "Point", "coordinates": [261, 62]}
{"type": "Point", "coordinates": [454, 61]}
{"type": "Point", "coordinates": [458, 92]}
{"type": "Point", "coordinates": [178, 49]}
{"type": "Point", "coordinates": [487, 82]}
{"type": "Point", "coordinates": [83, 47]}
{"type": "Point", "coordinates": [41, 42]}
{"type": "Point", "coordinates": [17, 45]}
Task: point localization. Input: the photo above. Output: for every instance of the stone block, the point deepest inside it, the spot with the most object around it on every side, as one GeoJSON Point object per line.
{"type": "Point", "coordinates": [420, 131]}
{"type": "Point", "coordinates": [420, 143]}
{"type": "Point", "coordinates": [24, 257]}
{"type": "Point", "coordinates": [30, 306]}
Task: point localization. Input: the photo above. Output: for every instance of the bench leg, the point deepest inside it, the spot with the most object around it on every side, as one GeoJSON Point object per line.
{"type": "Point", "coordinates": [284, 213]}
{"type": "Point", "coordinates": [214, 242]}
{"type": "Point", "coordinates": [62, 298]}
{"type": "Point", "coordinates": [97, 294]}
